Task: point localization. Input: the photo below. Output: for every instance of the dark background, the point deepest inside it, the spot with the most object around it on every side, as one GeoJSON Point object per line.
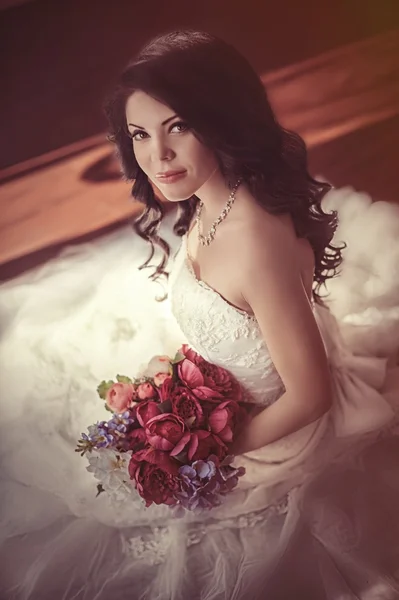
{"type": "Point", "coordinates": [59, 58]}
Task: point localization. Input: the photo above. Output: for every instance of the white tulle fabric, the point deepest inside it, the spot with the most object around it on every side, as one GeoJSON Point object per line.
{"type": "Point", "coordinates": [315, 515]}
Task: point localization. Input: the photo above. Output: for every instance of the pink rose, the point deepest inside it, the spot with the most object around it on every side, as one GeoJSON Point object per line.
{"type": "Point", "coordinates": [159, 378]}
{"type": "Point", "coordinates": [223, 419]}
{"type": "Point", "coordinates": [165, 432]}
{"type": "Point", "coordinates": [146, 391]}
{"type": "Point", "coordinates": [120, 396]}
{"type": "Point", "coordinates": [187, 406]}
{"type": "Point", "coordinates": [155, 476]}
{"type": "Point", "coordinates": [216, 378]}
{"type": "Point", "coordinates": [145, 411]}
{"type": "Point", "coordinates": [204, 443]}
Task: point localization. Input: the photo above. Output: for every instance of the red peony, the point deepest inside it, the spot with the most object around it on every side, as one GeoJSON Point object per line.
{"type": "Point", "coordinates": [144, 411]}
{"type": "Point", "coordinates": [155, 476]}
{"type": "Point", "coordinates": [166, 390]}
{"type": "Point", "coordinates": [215, 378]}
{"type": "Point", "coordinates": [224, 418]}
{"type": "Point", "coordinates": [192, 377]}
{"type": "Point", "coordinates": [165, 432]}
{"type": "Point", "coordinates": [136, 439]}
{"type": "Point", "coordinates": [187, 406]}
{"type": "Point", "coordinates": [204, 443]}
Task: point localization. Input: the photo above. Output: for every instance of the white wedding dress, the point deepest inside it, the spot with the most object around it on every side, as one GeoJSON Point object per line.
{"type": "Point", "coordinates": [316, 514]}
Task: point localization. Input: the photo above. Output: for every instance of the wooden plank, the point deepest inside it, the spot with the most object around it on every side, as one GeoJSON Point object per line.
{"type": "Point", "coordinates": [55, 204]}
{"type": "Point", "coordinates": [339, 91]}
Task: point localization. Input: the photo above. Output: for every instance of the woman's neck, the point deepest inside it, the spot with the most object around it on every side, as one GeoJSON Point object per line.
{"type": "Point", "coordinates": [214, 194]}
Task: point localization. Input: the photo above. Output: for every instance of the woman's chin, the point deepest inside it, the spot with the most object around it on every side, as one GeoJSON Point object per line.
{"type": "Point", "coordinates": [175, 195]}
{"type": "Point", "coordinates": [177, 198]}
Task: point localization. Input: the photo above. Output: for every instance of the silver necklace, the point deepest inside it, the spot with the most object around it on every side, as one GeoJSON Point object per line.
{"type": "Point", "coordinates": [205, 240]}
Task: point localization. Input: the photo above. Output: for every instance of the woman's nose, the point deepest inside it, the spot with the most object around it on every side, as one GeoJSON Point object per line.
{"type": "Point", "coordinates": [161, 151]}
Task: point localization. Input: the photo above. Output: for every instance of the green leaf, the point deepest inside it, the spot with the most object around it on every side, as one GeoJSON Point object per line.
{"type": "Point", "coordinates": [178, 358]}
{"type": "Point", "coordinates": [182, 457]}
{"type": "Point", "coordinates": [103, 388]}
{"type": "Point", "coordinates": [190, 422]}
{"type": "Point", "coordinates": [123, 379]}
{"type": "Point", "coordinates": [108, 408]}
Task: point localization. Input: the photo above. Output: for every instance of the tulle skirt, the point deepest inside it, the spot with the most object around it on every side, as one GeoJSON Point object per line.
{"type": "Point", "coordinates": [322, 527]}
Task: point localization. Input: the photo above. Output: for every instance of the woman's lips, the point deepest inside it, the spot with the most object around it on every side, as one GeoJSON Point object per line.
{"type": "Point", "coordinates": [170, 176]}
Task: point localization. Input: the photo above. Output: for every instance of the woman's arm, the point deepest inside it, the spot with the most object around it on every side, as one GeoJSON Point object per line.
{"type": "Point", "coordinates": [271, 284]}
{"type": "Point", "coordinates": [285, 416]}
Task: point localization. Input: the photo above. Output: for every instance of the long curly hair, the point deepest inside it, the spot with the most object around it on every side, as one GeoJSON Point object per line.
{"type": "Point", "coordinates": [213, 88]}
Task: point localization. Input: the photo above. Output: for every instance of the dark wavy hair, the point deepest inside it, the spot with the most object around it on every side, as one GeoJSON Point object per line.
{"type": "Point", "coordinates": [212, 87]}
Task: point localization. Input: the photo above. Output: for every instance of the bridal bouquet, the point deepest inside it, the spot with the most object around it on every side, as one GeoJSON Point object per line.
{"type": "Point", "coordinates": [168, 435]}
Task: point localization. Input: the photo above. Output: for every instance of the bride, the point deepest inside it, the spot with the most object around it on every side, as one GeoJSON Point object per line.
{"type": "Point", "coordinates": [260, 284]}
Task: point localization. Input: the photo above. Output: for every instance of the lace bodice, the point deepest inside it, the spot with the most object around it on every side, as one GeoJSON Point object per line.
{"type": "Point", "coordinates": [221, 333]}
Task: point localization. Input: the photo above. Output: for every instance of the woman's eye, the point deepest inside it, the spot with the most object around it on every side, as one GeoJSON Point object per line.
{"type": "Point", "coordinates": [138, 135]}
{"type": "Point", "coordinates": [180, 125]}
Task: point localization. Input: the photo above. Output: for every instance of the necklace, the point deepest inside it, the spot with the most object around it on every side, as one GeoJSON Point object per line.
{"type": "Point", "coordinates": [207, 239]}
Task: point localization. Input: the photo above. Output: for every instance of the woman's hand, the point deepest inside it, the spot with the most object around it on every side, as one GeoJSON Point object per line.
{"type": "Point", "coordinates": [239, 441]}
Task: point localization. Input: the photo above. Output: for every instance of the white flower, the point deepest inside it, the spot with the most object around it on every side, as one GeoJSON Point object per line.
{"type": "Point", "coordinates": [110, 468]}
{"type": "Point", "coordinates": [158, 364]}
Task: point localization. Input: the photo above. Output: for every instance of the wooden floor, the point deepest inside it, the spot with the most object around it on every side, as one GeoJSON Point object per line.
{"type": "Point", "coordinates": [345, 104]}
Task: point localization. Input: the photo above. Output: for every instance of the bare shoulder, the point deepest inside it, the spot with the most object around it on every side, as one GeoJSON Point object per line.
{"type": "Point", "coordinates": [265, 239]}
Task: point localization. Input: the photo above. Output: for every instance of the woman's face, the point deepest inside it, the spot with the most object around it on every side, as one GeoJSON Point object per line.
{"type": "Point", "coordinates": [166, 149]}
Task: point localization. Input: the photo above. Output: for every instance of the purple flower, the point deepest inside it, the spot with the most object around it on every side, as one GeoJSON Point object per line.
{"type": "Point", "coordinates": [98, 437]}
{"type": "Point", "coordinates": [105, 434]}
{"type": "Point", "coordinates": [119, 423]}
{"type": "Point", "coordinates": [204, 483]}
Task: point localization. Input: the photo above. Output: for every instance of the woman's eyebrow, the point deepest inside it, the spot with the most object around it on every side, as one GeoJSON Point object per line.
{"type": "Point", "coordinates": [163, 123]}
